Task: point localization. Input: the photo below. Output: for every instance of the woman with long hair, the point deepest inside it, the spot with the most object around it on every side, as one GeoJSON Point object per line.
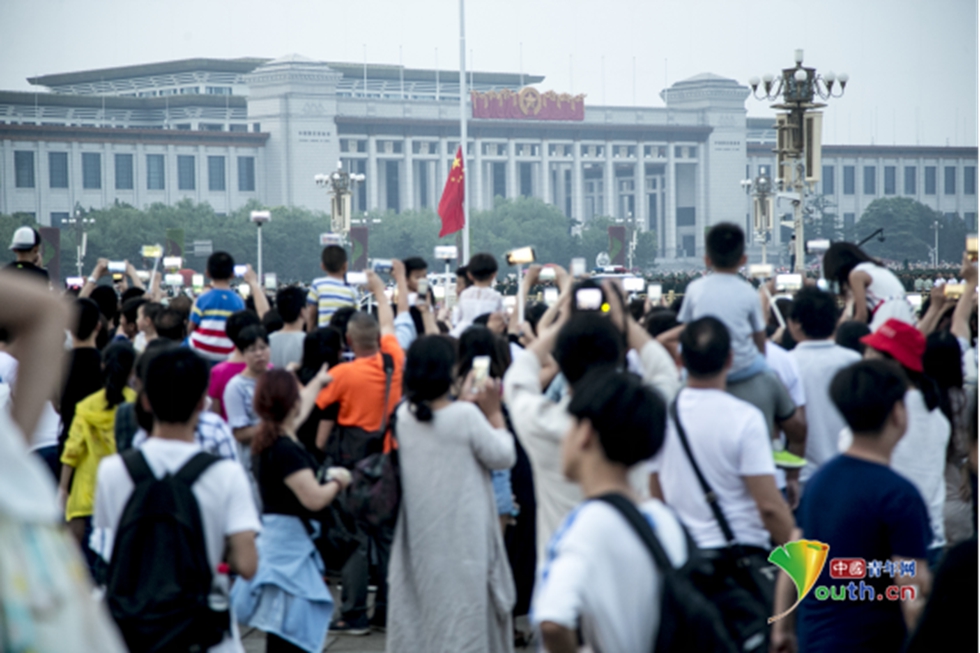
{"type": "Point", "coordinates": [287, 597]}
{"type": "Point", "coordinates": [878, 295]}
{"type": "Point", "coordinates": [450, 587]}
{"type": "Point", "coordinates": [513, 488]}
{"type": "Point", "coordinates": [92, 437]}
{"type": "Point", "coordinates": [321, 347]}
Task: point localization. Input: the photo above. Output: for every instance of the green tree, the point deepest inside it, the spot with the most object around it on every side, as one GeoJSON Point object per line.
{"type": "Point", "coordinates": [908, 228]}
{"type": "Point", "coordinates": [821, 222]}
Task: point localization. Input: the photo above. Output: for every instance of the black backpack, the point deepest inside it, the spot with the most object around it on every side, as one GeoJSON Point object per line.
{"type": "Point", "coordinates": [159, 578]}
{"type": "Point", "coordinates": [689, 621]}
{"type": "Point", "coordinates": [349, 445]}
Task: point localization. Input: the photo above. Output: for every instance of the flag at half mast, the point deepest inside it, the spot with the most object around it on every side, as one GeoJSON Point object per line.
{"type": "Point", "coordinates": [451, 204]}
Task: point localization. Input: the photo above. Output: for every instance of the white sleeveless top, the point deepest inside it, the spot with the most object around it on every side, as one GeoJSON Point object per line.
{"type": "Point", "coordinates": [885, 296]}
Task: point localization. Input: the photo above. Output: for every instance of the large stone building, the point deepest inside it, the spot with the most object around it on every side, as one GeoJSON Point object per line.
{"type": "Point", "coordinates": [227, 131]}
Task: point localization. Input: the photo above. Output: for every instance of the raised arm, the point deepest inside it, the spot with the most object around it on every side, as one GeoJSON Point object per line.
{"type": "Point", "coordinates": [386, 318]}
{"type": "Point", "coordinates": [134, 277]}
{"type": "Point", "coordinates": [858, 282]}
{"type": "Point", "coordinates": [258, 293]}
{"type": "Point", "coordinates": [398, 274]}
{"type": "Point", "coordinates": [101, 267]}
{"type": "Point", "coordinates": [964, 306]}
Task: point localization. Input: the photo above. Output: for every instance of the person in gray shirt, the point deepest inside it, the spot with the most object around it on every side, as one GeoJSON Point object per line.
{"type": "Point", "coordinates": [287, 343]}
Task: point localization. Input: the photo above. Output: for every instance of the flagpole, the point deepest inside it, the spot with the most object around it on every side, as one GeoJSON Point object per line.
{"type": "Point", "coordinates": [462, 134]}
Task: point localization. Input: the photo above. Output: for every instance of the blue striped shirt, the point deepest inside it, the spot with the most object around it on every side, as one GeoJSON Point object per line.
{"type": "Point", "coordinates": [329, 294]}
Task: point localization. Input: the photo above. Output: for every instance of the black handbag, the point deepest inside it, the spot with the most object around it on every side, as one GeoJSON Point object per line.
{"type": "Point", "coordinates": [742, 582]}
{"type": "Point", "coordinates": [375, 492]}
{"type": "Point", "coordinates": [348, 445]}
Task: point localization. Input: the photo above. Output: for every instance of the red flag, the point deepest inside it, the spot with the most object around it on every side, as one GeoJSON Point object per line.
{"type": "Point", "coordinates": [451, 204]}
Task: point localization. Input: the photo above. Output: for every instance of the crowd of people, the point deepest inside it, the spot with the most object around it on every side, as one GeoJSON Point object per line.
{"type": "Point", "coordinates": [615, 469]}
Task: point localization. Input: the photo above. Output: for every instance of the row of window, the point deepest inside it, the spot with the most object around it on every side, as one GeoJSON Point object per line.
{"type": "Point", "coordinates": [910, 180]}
{"type": "Point", "coordinates": [155, 171]}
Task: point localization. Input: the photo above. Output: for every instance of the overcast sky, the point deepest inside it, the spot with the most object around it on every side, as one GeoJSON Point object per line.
{"type": "Point", "coordinates": [912, 63]}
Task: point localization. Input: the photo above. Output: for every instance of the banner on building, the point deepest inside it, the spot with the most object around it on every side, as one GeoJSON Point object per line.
{"type": "Point", "coordinates": [359, 248]}
{"type": "Point", "coordinates": [175, 243]}
{"type": "Point", "coordinates": [527, 104]}
{"type": "Point", "coordinates": [51, 252]}
{"type": "Point", "coordinates": [617, 245]}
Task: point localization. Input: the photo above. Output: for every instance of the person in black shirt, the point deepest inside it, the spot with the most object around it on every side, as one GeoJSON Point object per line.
{"type": "Point", "coordinates": [84, 371]}
{"type": "Point", "coordinates": [291, 494]}
{"type": "Point", "coordinates": [26, 245]}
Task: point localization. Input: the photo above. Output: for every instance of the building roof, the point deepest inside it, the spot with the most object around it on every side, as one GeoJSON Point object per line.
{"type": "Point", "coordinates": [757, 149]}
{"type": "Point", "coordinates": [241, 65]}
{"type": "Point", "coordinates": [119, 102]}
{"type": "Point", "coordinates": [248, 64]}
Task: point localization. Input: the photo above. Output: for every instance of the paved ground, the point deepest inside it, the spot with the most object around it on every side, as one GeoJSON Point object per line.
{"type": "Point", "coordinates": [254, 640]}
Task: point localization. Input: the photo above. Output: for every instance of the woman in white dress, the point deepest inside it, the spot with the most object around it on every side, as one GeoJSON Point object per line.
{"type": "Point", "coordinates": [877, 293]}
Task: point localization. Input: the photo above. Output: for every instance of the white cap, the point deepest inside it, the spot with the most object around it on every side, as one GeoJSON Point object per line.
{"type": "Point", "coordinates": [25, 238]}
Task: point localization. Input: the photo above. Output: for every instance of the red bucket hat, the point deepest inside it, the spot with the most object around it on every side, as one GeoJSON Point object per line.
{"type": "Point", "coordinates": [901, 341]}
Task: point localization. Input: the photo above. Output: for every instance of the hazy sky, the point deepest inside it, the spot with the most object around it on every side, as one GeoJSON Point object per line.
{"type": "Point", "coordinates": [912, 63]}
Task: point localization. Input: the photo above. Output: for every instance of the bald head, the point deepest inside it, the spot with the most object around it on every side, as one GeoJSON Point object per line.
{"type": "Point", "coordinates": [363, 334]}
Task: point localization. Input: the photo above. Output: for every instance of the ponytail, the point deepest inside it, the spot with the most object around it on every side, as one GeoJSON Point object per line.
{"type": "Point", "coordinates": [421, 408]}
{"type": "Point", "coordinates": [117, 364]}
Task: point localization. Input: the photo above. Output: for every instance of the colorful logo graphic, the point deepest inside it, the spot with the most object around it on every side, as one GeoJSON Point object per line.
{"type": "Point", "coordinates": [803, 561]}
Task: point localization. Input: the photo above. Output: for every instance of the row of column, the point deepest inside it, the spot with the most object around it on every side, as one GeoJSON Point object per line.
{"type": "Point", "coordinates": [478, 180]}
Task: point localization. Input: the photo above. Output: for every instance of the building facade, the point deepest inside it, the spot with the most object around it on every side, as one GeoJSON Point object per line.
{"type": "Point", "coordinates": [227, 131]}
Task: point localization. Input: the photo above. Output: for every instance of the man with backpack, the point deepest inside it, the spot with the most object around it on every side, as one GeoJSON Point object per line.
{"type": "Point", "coordinates": [175, 512]}
{"type": "Point", "coordinates": [599, 572]}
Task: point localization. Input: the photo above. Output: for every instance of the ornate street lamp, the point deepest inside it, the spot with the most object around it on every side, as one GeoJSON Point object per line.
{"type": "Point", "coordinates": [340, 183]}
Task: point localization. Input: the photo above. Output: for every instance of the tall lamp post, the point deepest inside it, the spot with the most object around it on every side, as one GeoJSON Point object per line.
{"type": "Point", "coordinates": [798, 130]}
{"type": "Point", "coordinates": [260, 218]}
{"type": "Point", "coordinates": [936, 226]}
{"type": "Point", "coordinates": [763, 208]}
{"type": "Point", "coordinates": [340, 183]}
{"type": "Point", "coordinates": [81, 238]}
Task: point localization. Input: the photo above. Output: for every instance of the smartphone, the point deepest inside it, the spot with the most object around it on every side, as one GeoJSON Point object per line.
{"type": "Point", "coordinates": [176, 280]}
{"type": "Point", "coordinates": [244, 290]}
{"type": "Point", "coordinates": [633, 284]}
{"type": "Point", "coordinates": [381, 265]}
{"type": "Point", "coordinates": [578, 267]}
{"type": "Point", "coordinates": [971, 247]}
{"type": "Point", "coordinates": [547, 274]}
{"type": "Point", "coordinates": [356, 278]}
{"type": "Point", "coordinates": [439, 292]}
{"type": "Point", "coordinates": [172, 262]}
{"type": "Point", "coordinates": [789, 282]}
{"type": "Point", "coordinates": [152, 251]}
{"type": "Point", "coordinates": [550, 296]}
{"type": "Point", "coordinates": [915, 298]}
{"type": "Point", "coordinates": [954, 290]}
{"type": "Point", "coordinates": [143, 275]}
{"type": "Point", "coordinates": [588, 299]}
{"type": "Point", "coordinates": [197, 280]}
{"type": "Point", "coordinates": [271, 283]}
{"type": "Point", "coordinates": [117, 266]}
{"type": "Point", "coordinates": [240, 270]}
{"type": "Point", "coordinates": [481, 372]}
{"type": "Point", "coordinates": [521, 256]}
{"type": "Point", "coordinates": [758, 271]}
{"type": "Point", "coordinates": [423, 285]}
{"type": "Point", "coordinates": [74, 282]}
{"type": "Point", "coordinates": [655, 291]}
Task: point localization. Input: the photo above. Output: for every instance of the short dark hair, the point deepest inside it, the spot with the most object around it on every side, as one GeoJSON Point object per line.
{"type": "Point", "coordinates": [153, 348]}
{"type": "Point", "coordinates": [340, 318]}
{"type": "Point", "coordinates": [131, 293]}
{"type": "Point", "coordinates": [849, 335]}
{"type": "Point", "coordinates": [413, 263]}
{"type": "Point", "coordinates": [272, 321]}
{"type": "Point", "coordinates": [107, 300]}
{"type": "Point", "coordinates": [816, 312]}
{"type": "Point", "coordinates": [705, 346]}
{"type": "Point", "coordinates": [866, 392]}
{"type": "Point", "coordinates": [588, 340]}
{"type": "Point", "coordinates": [221, 266]}
{"type": "Point", "coordinates": [482, 266]}
{"type": "Point", "coordinates": [290, 302]}
{"type": "Point", "coordinates": [152, 309]}
{"type": "Point", "coordinates": [182, 304]}
{"type": "Point", "coordinates": [169, 324]}
{"type": "Point", "coordinates": [333, 258]}
{"type": "Point", "coordinates": [87, 318]}
{"type": "Point", "coordinates": [238, 321]}
{"type": "Point", "coordinates": [659, 320]}
{"type": "Point", "coordinates": [629, 417]}
{"type": "Point", "coordinates": [725, 244]}
{"type": "Point", "coordinates": [249, 336]}
{"type": "Point", "coordinates": [131, 307]}
{"type": "Point", "coordinates": [533, 313]}
{"type": "Point", "coordinates": [175, 383]}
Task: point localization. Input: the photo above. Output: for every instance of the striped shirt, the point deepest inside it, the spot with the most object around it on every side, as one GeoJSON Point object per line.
{"type": "Point", "coordinates": [210, 313]}
{"type": "Point", "coordinates": [329, 294]}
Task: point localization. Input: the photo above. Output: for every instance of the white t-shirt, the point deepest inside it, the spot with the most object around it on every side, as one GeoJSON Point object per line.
{"type": "Point", "coordinates": [920, 456]}
{"type": "Point", "coordinates": [222, 493]}
{"type": "Point", "coordinates": [600, 574]}
{"type": "Point", "coordinates": [729, 439]}
{"type": "Point", "coordinates": [818, 362]}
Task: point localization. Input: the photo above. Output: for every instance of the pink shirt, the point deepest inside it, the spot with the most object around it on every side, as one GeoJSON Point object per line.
{"type": "Point", "coordinates": [221, 374]}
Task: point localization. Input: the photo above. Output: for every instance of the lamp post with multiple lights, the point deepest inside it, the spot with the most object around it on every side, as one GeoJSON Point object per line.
{"type": "Point", "coordinates": [340, 183]}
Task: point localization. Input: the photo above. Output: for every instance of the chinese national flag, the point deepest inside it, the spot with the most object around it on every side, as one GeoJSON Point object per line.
{"type": "Point", "coordinates": [451, 204]}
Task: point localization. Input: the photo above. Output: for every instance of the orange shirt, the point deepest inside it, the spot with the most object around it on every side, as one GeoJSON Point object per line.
{"type": "Point", "coordinates": [358, 387]}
